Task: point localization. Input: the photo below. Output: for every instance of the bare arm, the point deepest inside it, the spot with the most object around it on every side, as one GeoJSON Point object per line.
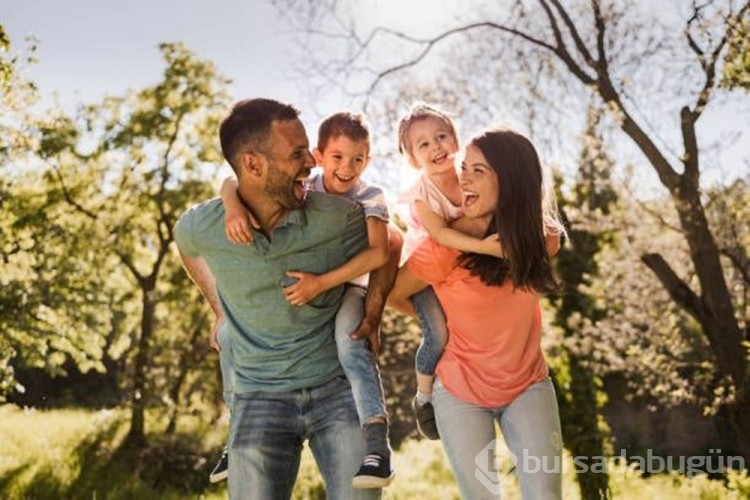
{"type": "Point", "coordinates": [373, 257]}
{"type": "Point", "coordinates": [380, 285]}
{"type": "Point", "coordinates": [407, 284]}
{"type": "Point", "coordinates": [236, 217]}
{"type": "Point", "coordinates": [202, 276]}
{"type": "Point", "coordinates": [438, 229]}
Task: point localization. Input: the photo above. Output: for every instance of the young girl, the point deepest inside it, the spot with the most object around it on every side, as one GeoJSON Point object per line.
{"type": "Point", "coordinates": [427, 138]}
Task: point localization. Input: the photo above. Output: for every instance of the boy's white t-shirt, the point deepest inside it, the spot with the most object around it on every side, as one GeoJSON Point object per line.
{"type": "Point", "coordinates": [371, 198]}
{"type": "Point", "coordinates": [425, 190]}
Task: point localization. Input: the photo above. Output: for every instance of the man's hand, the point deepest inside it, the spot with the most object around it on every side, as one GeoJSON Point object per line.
{"type": "Point", "coordinates": [214, 338]}
{"type": "Point", "coordinates": [369, 331]}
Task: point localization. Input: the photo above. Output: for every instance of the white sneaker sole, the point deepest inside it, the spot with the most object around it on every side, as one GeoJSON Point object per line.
{"type": "Point", "coordinates": [367, 482]}
{"type": "Point", "coordinates": [215, 478]}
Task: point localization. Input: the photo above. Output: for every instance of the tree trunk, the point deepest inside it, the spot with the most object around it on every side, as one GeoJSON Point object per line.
{"type": "Point", "coordinates": [187, 359]}
{"type": "Point", "coordinates": [581, 432]}
{"type": "Point", "coordinates": [713, 309]}
{"type": "Point", "coordinates": [137, 435]}
{"type": "Point", "coordinates": [739, 416]}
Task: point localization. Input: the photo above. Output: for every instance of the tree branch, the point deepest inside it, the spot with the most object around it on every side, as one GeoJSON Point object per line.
{"type": "Point", "coordinates": [67, 196]}
{"type": "Point", "coordinates": [561, 50]}
{"type": "Point", "coordinates": [600, 30]}
{"type": "Point", "coordinates": [678, 290]}
{"type": "Point", "coordinates": [580, 45]}
{"type": "Point", "coordinates": [739, 259]}
{"type": "Point", "coordinates": [430, 43]}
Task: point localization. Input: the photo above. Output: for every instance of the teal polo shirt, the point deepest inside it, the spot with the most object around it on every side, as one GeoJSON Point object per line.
{"type": "Point", "coordinates": [278, 346]}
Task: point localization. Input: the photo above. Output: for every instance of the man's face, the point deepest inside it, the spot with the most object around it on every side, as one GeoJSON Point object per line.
{"type": "Point", "coordinates": [289, 163]}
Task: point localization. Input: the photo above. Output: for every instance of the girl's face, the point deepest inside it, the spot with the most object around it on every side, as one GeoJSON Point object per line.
{"type": "Point", "coordinates": [432, 146]}
{"type": "Point", "coordinates": [480, 185]}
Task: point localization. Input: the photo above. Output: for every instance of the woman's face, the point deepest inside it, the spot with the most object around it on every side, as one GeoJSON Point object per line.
{"type": "Point", "coordinates": [479, 183]}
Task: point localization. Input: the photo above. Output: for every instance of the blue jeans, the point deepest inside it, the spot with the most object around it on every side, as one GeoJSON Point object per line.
{"type": "Point", "coordinates": [358, 362]}
{"type": "Point", "coordinates": [434, 330]}
{"type": "Point", "coordinates": [269, 428]}
{"type": "Point", "coordinates": [531, 427]}
{"type": "Point", "coordinates": [226, 363]}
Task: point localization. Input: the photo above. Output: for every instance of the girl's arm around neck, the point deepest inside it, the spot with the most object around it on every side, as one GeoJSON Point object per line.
{"type": "Point", "coordinates": [442, 233]}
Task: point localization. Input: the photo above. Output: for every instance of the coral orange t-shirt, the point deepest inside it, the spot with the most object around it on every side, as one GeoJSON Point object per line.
{"type": "Point", "coordinates": [494, 343]}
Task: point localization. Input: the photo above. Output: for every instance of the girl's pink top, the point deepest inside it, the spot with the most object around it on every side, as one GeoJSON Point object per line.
{"type": "Point", "coordinates": [494, 343]}
{"type": "Point", "coordinates": [427, 191]}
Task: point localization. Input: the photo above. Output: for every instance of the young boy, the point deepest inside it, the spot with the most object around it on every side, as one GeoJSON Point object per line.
{"type": "Point", "coordinates": [344, 152]}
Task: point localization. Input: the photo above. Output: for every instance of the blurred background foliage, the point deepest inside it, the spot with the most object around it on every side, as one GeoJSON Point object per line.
{"type": "Point", "coordinates": [96, 312]}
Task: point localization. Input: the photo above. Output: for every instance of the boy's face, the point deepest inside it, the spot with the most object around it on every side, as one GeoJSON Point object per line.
{"type": "Point", "coordinates": [343, 161]}
{"type": "Point", "coordinates": [432, 145]}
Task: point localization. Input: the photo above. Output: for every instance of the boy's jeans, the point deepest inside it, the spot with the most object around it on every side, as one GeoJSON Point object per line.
{"type": "Point", "coordinates": [269, 428]}
{"type": "Point", "coordinates": [226, 362]}
{"type": "Point", "coordinates": [358, 362]}
{"type": "Point", "coordinates": [531, 428]}
{"type": "Point", "coordinates": [434, 330]}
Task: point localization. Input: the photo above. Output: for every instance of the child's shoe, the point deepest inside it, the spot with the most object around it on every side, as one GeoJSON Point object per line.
{"type": "Point", "coordinates": [221, 471]}
{"type": "Point", "coordinates": [375, 472]}
{"type": "Point", "coordinates": [426, 424]}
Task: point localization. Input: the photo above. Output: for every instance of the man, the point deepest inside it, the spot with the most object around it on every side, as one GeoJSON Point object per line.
{"type": "Point", "coordinates": [289, 384]}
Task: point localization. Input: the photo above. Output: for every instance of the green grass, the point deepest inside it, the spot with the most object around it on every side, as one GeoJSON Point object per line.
{"type": "Point", "coordinates": [78, 454]}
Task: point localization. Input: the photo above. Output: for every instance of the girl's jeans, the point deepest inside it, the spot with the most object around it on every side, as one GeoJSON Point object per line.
{"type": "Point", "coordinates": [434, 330]}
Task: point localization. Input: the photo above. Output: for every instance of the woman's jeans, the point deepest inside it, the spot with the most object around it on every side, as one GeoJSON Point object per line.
{"type": "Point", "coordinates": [269, 428]}
{"type": "Point", "coordinates": [358, 362]}
{"type": "Point", "coordinates": [531, 427]}
{"type": "Point", "coordinates": [434, 330]}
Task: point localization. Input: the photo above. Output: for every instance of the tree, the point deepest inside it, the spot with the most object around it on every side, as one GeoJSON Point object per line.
{"type": "Point", "coordinates": [579, 389]}
{"type": "Point", "coordinates": [635, 69]}
{"type": "Point", "coordinates": [736, 71]}
{"type": "Point", "coordinates": [120, 173]}
{"type": "Point", "coordinates": [17, 95]}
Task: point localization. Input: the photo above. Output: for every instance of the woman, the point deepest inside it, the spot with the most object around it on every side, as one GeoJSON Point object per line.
{"type": "Point", "coordinates": [493, 368]}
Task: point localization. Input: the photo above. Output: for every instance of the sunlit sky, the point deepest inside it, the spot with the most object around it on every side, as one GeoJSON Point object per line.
{"type": "Point", "coordinates": [89, 48]}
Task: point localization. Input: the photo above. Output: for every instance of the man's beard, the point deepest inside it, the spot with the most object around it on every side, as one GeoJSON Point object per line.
{"type": "Point", "coordinates": [281, 188]}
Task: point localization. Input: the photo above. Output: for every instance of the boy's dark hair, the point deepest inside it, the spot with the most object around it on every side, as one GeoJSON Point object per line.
{"type": "Point", "coordinates": [421, 111]}
{"type": "Point", "coordinates": [248, 125]}
{"type": "Point", "coordinates": [352, 125]}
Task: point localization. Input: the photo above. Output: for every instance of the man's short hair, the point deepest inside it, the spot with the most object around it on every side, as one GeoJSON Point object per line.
{"type": "Point", "coordinates": [248, 126]}
{"type": "Point", "coordinates": [351, 125]}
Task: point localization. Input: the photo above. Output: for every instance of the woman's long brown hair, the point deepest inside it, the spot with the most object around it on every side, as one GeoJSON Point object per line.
{"type": "Point", "coordinates": [519, 216]}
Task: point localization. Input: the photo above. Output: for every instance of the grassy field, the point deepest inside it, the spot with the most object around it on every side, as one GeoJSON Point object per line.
{"type": "Point", "coordinates": [78, 454]}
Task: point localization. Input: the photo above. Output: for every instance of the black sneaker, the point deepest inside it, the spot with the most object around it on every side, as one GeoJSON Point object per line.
{"type": "Point", "coordinates": [375, 472]}
{"type": "Point", "coordinates": [426, 424]}
{"type": "Point", "coordinates": [221, 471]}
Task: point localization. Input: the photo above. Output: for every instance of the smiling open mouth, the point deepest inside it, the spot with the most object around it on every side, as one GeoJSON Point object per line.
{"type": "Point", "coordinates": [470, 198]}
{"type": "Point", "coordinates": [343, 178]}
